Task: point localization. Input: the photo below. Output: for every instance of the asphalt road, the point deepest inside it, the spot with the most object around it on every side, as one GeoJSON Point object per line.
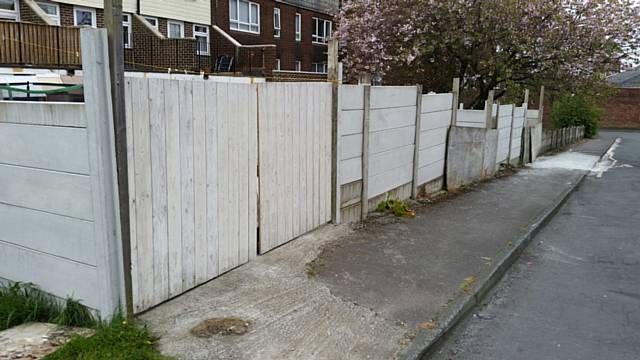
{"type": "Point", "coordinates": [575, 292]}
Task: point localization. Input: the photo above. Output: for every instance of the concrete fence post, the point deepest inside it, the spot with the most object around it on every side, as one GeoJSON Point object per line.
{"type": "Point", "coordinates": [364, 194]}
{"type": "Point", "coordinates": [103, 169]}
{"type": "Point", "coordinates": [416, 147]}
{"type": "Point", "coordinates": [489, 111]}
{"type": "Point", "coordinates": [456, 100]}
{"type": "Point", "coordinates": [513, 109]}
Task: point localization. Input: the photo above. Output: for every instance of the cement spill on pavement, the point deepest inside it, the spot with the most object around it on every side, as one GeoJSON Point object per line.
{"type": "Point", "coordinates": [575, 160]}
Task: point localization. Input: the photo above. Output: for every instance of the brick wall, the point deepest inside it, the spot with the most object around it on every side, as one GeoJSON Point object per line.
{"type": "Point", "coordinates": [288, 50]}
{"type": "Point", "coordinates": [623, 110]}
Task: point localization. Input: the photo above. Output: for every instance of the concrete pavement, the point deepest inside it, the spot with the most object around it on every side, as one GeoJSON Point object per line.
{"type": "Point", "coordinates": [575, 292]}
{"type": "Point", "coordinates": [384, 290]}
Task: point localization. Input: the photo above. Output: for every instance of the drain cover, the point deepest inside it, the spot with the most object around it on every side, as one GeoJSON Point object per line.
{"type": "Point", "coordinates": [221, 326]}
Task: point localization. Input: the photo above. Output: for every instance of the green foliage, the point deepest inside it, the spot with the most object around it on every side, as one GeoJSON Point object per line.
{"type": "Point", "coordinates": [576, 110]}
{"type": "Point", "coordinates": [397, 207]}
{"type": "Point", "coordinates": [22, 303]}
{"type": "Point", "coordinates": [119, 339]}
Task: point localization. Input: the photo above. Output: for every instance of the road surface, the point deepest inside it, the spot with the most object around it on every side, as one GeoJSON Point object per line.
{"type": "Point", "coordinates": [575, 293]}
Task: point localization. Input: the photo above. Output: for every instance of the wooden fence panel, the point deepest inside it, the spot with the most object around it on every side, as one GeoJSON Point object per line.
{"type": "Point", "coordinates": [39, 45]}
{"type": "Point", "coordinates": [193, 154]}
{"type": "Point", "coordinates": [295, 160]}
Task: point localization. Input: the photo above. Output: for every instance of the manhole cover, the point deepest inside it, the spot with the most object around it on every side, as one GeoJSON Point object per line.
{"type": "Point", "coordinates": [221, 326]}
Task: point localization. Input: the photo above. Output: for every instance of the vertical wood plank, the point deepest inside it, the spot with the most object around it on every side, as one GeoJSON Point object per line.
{"type": "Point", "coordinates": [289, 159]}
{"type": "Point", "coordinates": [174, 187]}
{"type": "Point", "coordinates": [253, 172]}
{"type": "Point", "coordinates": [235, 123]}
{"type": "Point", "coordinates": [132, 190]}
{"type": "Point", "coordinates": [309, 156]}
{"type": "Point", "coordinates": [295, 161]}
{"type": "Point", "coordinates": [185, 97]}
{"type": "Point", "coordinates": [302, 156]}
{"type": "Point", "coordinates": [212, 178]}
{"type": "Point", "coordinates": [144, 211]}
{"type": "Point", "coordinates": [200, 182]}
{"type": "Point", "coordinates": [159, 190]}
{"type": "Point", "coordinates": [322, 170]}
{"type": "Point", "coordinates": [244, 148]}
{"type": "Point", "coordinates": [223, 190]}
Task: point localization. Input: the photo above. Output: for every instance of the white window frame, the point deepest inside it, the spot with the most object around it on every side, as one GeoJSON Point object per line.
{"type": "Point", "coordinates": [316, 38]}
{"type": "Point", "coordinates": [298, 66]}
{"type": "Point", "coordinates": [94, 20]}
{"type": "Point", "coordinates": [277, 64]}
{"type": "Point", "coordinates": [276, 24]}
{"type": "Point", "coordinates": [11, 15]}
{"type": "Point", "coordinates": [154, 19]}
{"type": "Point", "coordinates": [174, 22]}
{"type": "Point", "coordinates": [298, 26]}
{"type": "Point", "coordinates": [55, 18]}
{"type": "Point", "coordinates": [234, 24]}
{"type": "Point", "coordinates": [126, 23]}
{"type": "Point", "coordinates": [320, 68]}
{"type": "Point", "coordinates": [201, 34]}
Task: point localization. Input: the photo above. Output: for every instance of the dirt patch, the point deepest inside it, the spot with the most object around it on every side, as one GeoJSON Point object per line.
{"type": "Point", "coordinates": [36, 340]}
{"type": "Point", "coordinates": [230, 326]}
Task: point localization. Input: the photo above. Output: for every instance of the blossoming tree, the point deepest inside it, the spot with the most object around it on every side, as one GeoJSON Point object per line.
{"type": "Point", "coordinates": [495, 44]}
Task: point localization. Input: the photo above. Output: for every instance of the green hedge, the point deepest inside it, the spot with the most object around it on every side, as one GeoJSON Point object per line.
{"type": "Point", "coordinates": [576, 110]}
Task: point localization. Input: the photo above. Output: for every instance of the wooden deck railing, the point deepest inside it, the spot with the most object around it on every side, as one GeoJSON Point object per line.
{"type": "Point", "coordinates": [26, 44]}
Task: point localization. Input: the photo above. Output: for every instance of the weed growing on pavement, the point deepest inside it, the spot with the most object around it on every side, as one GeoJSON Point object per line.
{"type": "Point", "coordinates": [396, 207]}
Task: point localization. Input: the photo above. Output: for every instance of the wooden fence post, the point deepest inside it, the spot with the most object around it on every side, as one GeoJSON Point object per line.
{"type": "Point", "coordinates": [113, 23]}
{"type": "Point", "coordinates": [456, 101]}
{"type": "Point", "coordinates": [489, 111]}
{"type": "Point", "coordinates": [416, 146]}
{"type": "Point", "coordinates": [102, 158]}
{"type": "Point", "coordinates": [333, 77]}
{"type": "Point", "coordinates": [364, 194]}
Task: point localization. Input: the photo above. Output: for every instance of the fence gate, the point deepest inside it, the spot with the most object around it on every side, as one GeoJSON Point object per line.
{"type": "Point", "coordinates": [192, 183]}
{"type": "Point", "coordinates": [295, 160]}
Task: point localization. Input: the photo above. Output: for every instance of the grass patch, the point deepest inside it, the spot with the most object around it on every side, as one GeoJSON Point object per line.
{"type": "Point", "coordinates": [118, 339]}
{"type": "Point", "coordinates": [23, 303]}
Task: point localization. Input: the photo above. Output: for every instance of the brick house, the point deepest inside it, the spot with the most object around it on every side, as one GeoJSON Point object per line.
{"type": "Point", "coordinates": [264, 34]}
{"type": "Point", "coordinates": [622, 110]}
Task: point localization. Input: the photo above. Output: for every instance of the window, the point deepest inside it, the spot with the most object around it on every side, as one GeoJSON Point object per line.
{"type": "Point", "coordinates": [276, 22]}
{"type": "Point", "coordinates": [175, 30]}
{"type": "Point", "coordinates": [277, 64]}
{"type": "Point", "coordinates": [298, 66]}
{"type": "Point", "coordinates": [298, 27]}
{"type": "Point", "coordinates": [201, 34]}
{"type": "Point", "coordinates": [9, 10]}
{"type": "Point", "coordinates": [321, 31]}
{"type": "Point", "coordinates": [319, 68]}
{"type": "Point", "coordinates": [152, 21]}
{"type": "Point", "coordinates": [84, 16]}
{"type": "Point", "coordinates": [244, 16]}
{"type": "Point", "coordinates": [53, 10]}
{"type": "Point", "coordinates": [126, 31]}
